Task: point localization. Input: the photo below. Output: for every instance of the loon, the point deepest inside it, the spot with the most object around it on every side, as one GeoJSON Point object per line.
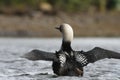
{"type": "Point", "coordinates": [66, 61]}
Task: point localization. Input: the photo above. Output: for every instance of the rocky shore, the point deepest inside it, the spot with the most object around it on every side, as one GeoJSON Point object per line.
{"type": "Point", "coordinates": [40, 25]}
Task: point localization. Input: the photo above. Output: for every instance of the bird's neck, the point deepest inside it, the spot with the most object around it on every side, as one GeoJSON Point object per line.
{"type": "Point", "coordinates": [66, 46]}
{"type": "Point", "coordinates": [67, 36]}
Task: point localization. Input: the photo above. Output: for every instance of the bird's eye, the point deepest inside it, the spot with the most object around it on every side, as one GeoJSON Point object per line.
{"type": "Point", "coordinates": [60, 28]}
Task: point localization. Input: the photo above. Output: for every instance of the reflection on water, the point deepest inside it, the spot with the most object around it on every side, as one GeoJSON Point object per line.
{"type": "Point", "coordinates": [13, 67]}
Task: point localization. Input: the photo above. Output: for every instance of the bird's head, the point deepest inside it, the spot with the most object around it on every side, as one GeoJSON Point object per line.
{"type": "Point", "coordinates": [67, 32]}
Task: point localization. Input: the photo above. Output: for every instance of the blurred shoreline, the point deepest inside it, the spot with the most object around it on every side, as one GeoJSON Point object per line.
{"type": "Point", "coordinates": [41, 25]}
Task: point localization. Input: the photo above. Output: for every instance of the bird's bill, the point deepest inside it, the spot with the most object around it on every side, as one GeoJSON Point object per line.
{"type": "Point", "coordinates": [57, 28]}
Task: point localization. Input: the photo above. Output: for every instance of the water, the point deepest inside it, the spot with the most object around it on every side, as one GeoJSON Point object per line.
{"type": "Point", "coordinates": [13, 67]}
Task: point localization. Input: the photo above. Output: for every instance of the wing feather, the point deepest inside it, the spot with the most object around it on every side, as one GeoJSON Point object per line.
{"type": "Point", "coordinates": [99, 53]}
{"type": "Point", "coordinates": [40, 55]}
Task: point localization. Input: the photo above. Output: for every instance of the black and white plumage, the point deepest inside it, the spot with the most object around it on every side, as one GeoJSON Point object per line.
{"type": "Point", "coordinates": [66, 61]}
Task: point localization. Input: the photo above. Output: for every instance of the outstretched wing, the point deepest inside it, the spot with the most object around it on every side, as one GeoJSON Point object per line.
{"type": "Point", "coordinates": [39, 55]}
{"type": "Point", "coordinates": [99, 53]}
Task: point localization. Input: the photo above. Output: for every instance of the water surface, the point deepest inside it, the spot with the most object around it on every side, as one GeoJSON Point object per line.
{"type": "Point", "coordinates": [13, 67]}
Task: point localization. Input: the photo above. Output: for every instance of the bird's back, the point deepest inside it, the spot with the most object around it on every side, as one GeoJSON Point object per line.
{"type": "Point", "coordinates": [71, 65]}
